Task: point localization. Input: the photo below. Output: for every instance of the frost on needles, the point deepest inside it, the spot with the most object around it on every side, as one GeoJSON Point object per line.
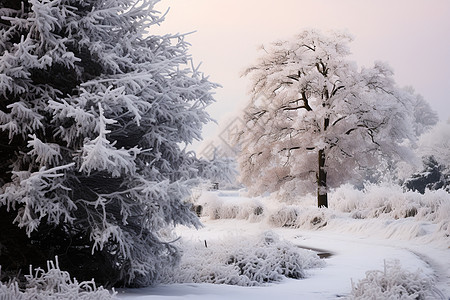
{"type": "Point", "coordinates": [94, 112]}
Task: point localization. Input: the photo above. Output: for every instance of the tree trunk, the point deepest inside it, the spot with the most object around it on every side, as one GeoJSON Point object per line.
{"type": "Point", "coordinates": [322, 197]}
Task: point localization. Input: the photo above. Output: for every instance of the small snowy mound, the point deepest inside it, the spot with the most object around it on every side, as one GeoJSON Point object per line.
{"type": "Point", "coordinates": [298, 217]}
{"type": "Point", "coordinates": [233, 207]}
{"type": "Point", "coordinates": [395, 283]}
{"type": "Point", "coordinates": [53, 285]}
{"type": "Point", "coordinates": [242, 261]}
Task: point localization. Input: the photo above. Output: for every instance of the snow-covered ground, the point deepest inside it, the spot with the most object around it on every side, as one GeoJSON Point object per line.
{"type": "Point", "coordinates": [356, 246]}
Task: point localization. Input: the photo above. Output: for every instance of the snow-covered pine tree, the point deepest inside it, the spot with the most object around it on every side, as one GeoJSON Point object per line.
{"type": "Point", "coordinates": [434, 176]}
{"type": "Point", "coordinates": [95, 111]}
{"type": "Point", "coordinates": [434, 148]}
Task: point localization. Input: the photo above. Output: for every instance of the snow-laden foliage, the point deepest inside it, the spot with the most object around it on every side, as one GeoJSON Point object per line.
{"type": "Point", "coordinates": [220, 171]}
{"type": "Point", "coordinates": [434, 172]}
{"type": "Point", "coordinates": [394, 282]}
{"type": "Point", "coordinates": [242, 261]}
{"type": "Point", "coordinates": [434, 176]}
{"type": "Point", "coordinates": [316, 121]}
{"type": "Point", "coordinates": [53, 284]}
{"type": "Point", "coordinates": [297, 217]}
{"type": "Point", "coordinates": [233, 208]}
{"type": "Point", "coordinates": [386, 211]}
{"type": "Point", "coordinates": [95, 114]}
{"type": "Point", "coordinates": [391, 201]}
{"type": "Point", "coordinates": [436, 143]}
{"type": "Point", "coordinates": [425, 118]}
{"type": "Point", "coordinates": [399, 214]}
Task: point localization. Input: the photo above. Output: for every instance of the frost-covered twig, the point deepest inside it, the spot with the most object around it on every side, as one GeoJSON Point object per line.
{"type": "Point", "coordinates": [54, 284]}
{"type": "Point", "coordinates": [395, 283]}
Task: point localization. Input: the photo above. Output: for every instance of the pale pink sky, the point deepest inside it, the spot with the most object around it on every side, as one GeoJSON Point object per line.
{"type": "Point", "coordinates": [413, 36]}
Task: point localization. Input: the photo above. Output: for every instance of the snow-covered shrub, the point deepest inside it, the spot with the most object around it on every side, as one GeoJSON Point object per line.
{"type": "Point", "coordinates": [242, 261]}
{"type": "Point", "coordinates": [220, 171]}
{"type": "Point", "coordinates": [384, 210]}
{"type": "Point", "coordinates": [53, 284]}
{"type": "Point", "coordinates": [400, 211]}
{"type": "Point", "coordinates": [395, 283]}
{"type": "Point", "coordinates": [391, 201]}
{"type": "Point", "coordinates": [229, 207]}
{"type": "Point", "coordinates": [300, 217]}
{"type": "Point", "coordinates": [285, 217]}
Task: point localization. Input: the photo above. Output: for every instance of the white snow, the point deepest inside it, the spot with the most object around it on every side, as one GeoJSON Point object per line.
{"type": "Point", "coordinates": [356, 246]}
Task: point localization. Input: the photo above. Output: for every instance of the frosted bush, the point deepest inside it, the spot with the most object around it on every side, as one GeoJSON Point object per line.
{"type": "Point", "coordinates": [229, 207]}
{"type": "Point", "coordinates": [314, 218]}
{"type": "Point", "coordinates": [435, 206]}
{"type": "Point", "coordinates": [390, 201]}
{"type": "Point", "coordinates": [242, 261]}
{"type": "Point", "coordinates": [346, 198]}
{"type": "Point", "coordinates": [395, 283]}
{"type": "Point", "coordinates": [52, 285]}
{"type": "Point", "coordinates": [284, 217]}
{"type": "Point", "coordinates": [294, 216]}
{"type": "Point", "coordinates": [389, 212]}
{"type": "Point", "coordinates": [386, 201]}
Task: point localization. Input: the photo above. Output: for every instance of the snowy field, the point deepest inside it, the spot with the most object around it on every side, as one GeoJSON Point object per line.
{"type": "Point", "coordinates": [355, 243]}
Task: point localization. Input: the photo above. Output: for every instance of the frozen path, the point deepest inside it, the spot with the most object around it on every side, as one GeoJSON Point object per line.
{"type": "Point", "coordinates": [353, 255]}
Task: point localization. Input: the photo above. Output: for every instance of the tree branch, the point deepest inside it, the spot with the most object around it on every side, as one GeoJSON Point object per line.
{"type": "Point", "coordinates": [336, 89]}
{"type": "Point", "coordinates": [297, 107]}
{"type": "Point", "coordinates": [340, 119]}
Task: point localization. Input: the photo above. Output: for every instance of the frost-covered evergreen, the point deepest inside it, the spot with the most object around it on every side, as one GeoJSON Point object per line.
{"type": "Point", "coordinates": [219, 171]}
{"type": "Point", "coordinates": [95, 111]}
{"type": "Point", "coordinates": [316, 121]}
{"type": "Point", "coordinates": [436, 143]}
{"type": "Point", "coordinates": [434, 176]}
{"type": "Point", "coordinates": [434, 148]}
